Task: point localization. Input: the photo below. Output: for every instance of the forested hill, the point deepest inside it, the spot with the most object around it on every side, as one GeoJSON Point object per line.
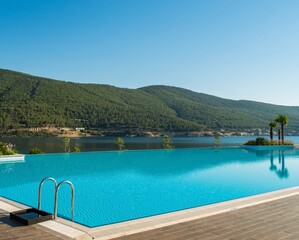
{"type": "Point", "coordinates": [30, 101]}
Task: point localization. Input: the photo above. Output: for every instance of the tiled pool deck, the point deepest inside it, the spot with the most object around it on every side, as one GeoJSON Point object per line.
{"type": "Point", "coordinates": [268, 216]}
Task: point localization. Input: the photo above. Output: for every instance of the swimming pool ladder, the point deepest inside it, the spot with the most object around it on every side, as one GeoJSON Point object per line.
{"type": "Point", "coordinates": [56, 188]}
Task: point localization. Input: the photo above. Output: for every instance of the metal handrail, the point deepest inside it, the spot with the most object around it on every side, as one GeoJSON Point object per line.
{"type": "Point", "coordinates": [56, 198]}
{"type": "Point", "coordinates": [40, 190]}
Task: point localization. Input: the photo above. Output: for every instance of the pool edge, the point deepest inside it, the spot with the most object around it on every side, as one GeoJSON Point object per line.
{"type": "Point", "coordinates": [78, 231]}
{"type": "Point", "coordinates": [67, 231]}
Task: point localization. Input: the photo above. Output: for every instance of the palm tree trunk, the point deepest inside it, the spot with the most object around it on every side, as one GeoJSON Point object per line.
{"type": "Point", "coordinates": [271, 134]}
{"type": "Point", "coordinates": [279, 135]}
{"type": "Point", "coordinates": [282, 133]}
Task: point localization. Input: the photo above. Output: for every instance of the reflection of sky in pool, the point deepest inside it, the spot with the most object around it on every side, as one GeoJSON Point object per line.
{"type": "Point", "coordinates": [117, 186]}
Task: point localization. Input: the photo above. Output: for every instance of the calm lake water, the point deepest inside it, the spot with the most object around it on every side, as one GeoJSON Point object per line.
{"type": "Point", "coordinates": [86, 144]}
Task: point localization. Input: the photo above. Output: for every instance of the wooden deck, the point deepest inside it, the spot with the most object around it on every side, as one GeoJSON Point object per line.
{"type": "Point", "coordinates": [273, 220]}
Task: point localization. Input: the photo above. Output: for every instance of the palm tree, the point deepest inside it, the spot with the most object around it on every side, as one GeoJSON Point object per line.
{"type": "Point", "coordinates": [279, 134]}
{"type": "Point", "coordinates": [282, 120]}
{"type": "Point", "coordinates": [271, 125]}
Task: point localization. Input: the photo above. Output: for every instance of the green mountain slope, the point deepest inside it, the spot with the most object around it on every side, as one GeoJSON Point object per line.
{"type": "Point", "coordinates": [218, 113]}
{"type": "Point", "coordinates": [30, 101]}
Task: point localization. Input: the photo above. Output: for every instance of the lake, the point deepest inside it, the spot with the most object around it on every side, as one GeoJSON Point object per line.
{"type": "Point", "coordinates": [88, 144]}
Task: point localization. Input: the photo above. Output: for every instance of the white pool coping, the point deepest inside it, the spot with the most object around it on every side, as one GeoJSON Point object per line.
{"type": "Point", "coordinates": [67, 231]}
{"type": "Point", "coordinates": [12, 158]}
{"type": "Point", "coordinates": [76, 231]}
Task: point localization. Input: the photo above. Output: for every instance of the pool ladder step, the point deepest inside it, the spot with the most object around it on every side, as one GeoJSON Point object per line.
{"type": "Point", "coordinates": [56, 188]}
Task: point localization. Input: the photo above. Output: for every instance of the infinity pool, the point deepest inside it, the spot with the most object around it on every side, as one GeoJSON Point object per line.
{"type": "Point", "coordinates": [112, 187]}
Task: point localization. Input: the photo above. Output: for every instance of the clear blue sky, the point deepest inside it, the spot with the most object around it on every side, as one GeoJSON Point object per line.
{"type": "Point", "coordinates": [237, 49]}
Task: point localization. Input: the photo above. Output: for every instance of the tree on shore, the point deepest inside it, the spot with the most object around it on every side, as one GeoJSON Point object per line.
{"type": "Point", "coordinates": [279, 134]}
{"type": "Point", "coordinates": [167, 142]}
{"type": "Point", "coordinates": [271, 125]}
{"type": "Point", "coordinates": [66, 143]}
{"type": "Point", "coordinates": [76, 149]}
{"type": "Point", "coordinates": [282, 120]}
{"type": "Point", "coordinates": [7, 149]}
{"type": "Point", "coordinates": [120, 142]}
{"type": "Point", "coordinates": [35, 150]}
{"type": "Point", "coordinates": [217, 139]}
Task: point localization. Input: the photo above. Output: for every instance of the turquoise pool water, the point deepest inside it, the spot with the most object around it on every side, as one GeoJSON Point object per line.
{"type": "Point", "coordinates": [112, 187]}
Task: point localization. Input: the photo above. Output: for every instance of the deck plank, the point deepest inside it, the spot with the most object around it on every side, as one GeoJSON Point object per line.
{"type": "Point", "coordinates": [275, 220]}
{"type": "Point", "coordinates": [10, 229]}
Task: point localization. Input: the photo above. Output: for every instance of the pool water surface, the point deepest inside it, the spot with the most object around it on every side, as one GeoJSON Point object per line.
{"type": "Point", "coordinates": [112, 187]}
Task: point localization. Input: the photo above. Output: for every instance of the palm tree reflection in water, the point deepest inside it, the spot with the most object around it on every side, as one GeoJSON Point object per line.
{"type": "Point", "coordinates": [282, 171]}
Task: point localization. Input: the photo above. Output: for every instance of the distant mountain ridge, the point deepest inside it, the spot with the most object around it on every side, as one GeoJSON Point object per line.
{"type": "Point", "coordinates": [31, 101]}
